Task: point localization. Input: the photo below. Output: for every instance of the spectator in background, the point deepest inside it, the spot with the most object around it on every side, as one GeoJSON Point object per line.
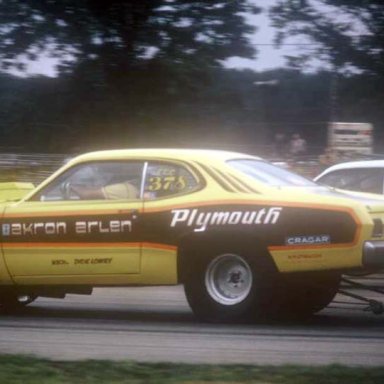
{"type": "Point", "coordinates": [329, 157]}
{"type": "Point", "coordinates": [279, 145]}
{"type": "Point", "coordinates": [297, 147]}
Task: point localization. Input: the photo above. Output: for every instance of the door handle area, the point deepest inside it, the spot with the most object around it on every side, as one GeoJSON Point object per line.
{"type": "Point", "coordinates": [129, 211]}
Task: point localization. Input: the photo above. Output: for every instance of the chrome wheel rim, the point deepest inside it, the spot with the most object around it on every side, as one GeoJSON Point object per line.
{"type": "Point", "coordinates": [25, 299]}
{"type": "Point", "coordinates": [228, 279]}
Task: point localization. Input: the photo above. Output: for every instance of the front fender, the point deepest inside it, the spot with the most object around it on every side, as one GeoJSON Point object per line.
{"type": "Point", "coordinates": [5, 278]}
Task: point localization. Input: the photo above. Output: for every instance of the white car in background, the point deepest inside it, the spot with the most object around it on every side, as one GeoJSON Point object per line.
{"type": "Point", "coordinates": [361, 176]}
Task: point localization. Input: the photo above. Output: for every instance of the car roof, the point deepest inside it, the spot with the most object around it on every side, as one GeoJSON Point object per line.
{"type": "Point", "coordinates": [352, 165]}
{"type": "Point", "coordinates": [163, 153]}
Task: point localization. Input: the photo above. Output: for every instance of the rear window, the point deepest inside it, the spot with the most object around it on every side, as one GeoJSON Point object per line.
{"type": "Point", "coordinates": [270, 174]}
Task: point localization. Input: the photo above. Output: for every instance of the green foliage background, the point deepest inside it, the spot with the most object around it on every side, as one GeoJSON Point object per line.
{"type": "Point", "coordinates": [110, 92]}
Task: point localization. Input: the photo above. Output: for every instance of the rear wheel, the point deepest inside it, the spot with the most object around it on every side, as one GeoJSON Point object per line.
{"type": "Point", "coordinates": [228, 279]}
{"type": "Point", "coordinates": [229, 286]}
{"type": "Point", "coordinates": [234, 286]}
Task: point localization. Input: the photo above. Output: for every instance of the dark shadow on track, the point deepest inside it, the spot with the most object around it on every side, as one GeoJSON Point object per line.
{"type": "Point", "coordinates": [330, 318]}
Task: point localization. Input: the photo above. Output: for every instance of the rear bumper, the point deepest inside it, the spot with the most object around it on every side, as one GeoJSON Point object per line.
{"type": "Point", "coordinates": [373, 254]}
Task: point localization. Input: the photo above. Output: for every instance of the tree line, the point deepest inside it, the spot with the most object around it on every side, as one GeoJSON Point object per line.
{"type": "Point", "coordinates": [134, 74]}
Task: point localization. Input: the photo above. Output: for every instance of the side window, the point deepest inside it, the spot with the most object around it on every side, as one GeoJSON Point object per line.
{"type": "Point", "coordinates": [370, 180]}
{"type": "Point", "coordinates": [167, 179]}
{"type": "Point", "coordinates": [110, 180]}
{"type": "Point", "coordinates": [333, 179]}
{"type": "Point", "coordinates": [361, 180]}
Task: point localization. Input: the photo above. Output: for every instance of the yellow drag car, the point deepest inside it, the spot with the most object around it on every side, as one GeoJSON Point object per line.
{"type": "Point", "coordinates": [247, 239]}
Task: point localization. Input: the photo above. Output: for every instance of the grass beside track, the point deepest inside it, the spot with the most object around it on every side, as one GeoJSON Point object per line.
{"type": "Point", "coordinates": [29, 370]}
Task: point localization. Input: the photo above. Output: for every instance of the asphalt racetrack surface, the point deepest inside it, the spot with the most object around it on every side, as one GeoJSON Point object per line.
{"type": "Point", "coordinates": [156, 324]}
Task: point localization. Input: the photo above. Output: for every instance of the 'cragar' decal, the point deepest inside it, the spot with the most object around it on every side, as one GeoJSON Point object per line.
{"type": "Point", "coordinates": [308, 240]}
{"type": "Point", "coordinates": [201, 220]}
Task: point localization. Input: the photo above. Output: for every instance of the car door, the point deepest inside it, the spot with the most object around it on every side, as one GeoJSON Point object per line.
{"type": "Point", "coordinates": [168, 184]}
{"type": "Point", "coordinates": [82, 227]}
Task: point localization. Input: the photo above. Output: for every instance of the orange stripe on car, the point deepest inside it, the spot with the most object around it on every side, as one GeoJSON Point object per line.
{"type": "Point", "coordinates": [69, 245]}
{"type": "Point", "coordinates": [90, 245]}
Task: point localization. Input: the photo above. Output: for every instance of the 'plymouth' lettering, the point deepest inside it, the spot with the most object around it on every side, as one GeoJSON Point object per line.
{"type": "Point", "coordinates": [201, 220]}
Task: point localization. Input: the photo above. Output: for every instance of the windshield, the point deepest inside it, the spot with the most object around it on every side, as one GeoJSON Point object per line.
{"type": "Point", "coordinates": [270, 174]}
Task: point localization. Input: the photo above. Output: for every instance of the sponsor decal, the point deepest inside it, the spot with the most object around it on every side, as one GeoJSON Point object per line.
{"type": "Point", "coordinates": [25, 229]}
{"type": "Point", "coordinates": [105, 260]}
{"type": "Point", "coordinates": [305, 256]}
{"type": "Point", "coordinates": [112, 226]}
{"type": "Point", "coordinates": [61, 227]}
{"type": "Point", "coordinates": [201, 220]}
{"type": "Point", "coordinates": [59, 262]}
{"type": "Point", "coordinates": [308, 240]}
{"type": "Point", "coordinates": [83, 261]}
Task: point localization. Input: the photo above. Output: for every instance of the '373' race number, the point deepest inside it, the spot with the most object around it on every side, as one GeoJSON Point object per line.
{"type": "Point", "coordinates": [166, 183]}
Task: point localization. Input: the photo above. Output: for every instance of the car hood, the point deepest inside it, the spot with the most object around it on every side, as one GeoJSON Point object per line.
{"type": "Point", "coordinates": [13, 191]}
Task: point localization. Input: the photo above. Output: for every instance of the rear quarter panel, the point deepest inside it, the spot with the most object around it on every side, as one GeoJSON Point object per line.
{"type": "Point", "coordinates": [300, 236]}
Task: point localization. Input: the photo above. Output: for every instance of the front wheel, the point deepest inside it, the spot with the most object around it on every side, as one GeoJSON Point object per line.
{"type": "Point", "coordinates": [13, 300]}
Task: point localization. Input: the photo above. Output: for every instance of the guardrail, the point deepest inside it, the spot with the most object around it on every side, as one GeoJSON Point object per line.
{"type": "Point", "coordinates": [35, 167]}
{"type": "Point", "coordinates": [29, 167]}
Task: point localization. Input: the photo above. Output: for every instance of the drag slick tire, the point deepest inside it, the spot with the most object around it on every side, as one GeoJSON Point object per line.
{"type": "Point", "coordinates": [303, 294]}
{"type": "Point", "coordinates": [234, 286]}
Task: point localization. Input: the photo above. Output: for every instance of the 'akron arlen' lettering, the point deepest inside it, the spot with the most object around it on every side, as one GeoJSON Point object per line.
{"type": "Point", "coordinates": [201, 220]}
{"type": "Point", "coordinates": [39, 228]}
{"type": "Point", "coordinates": [60, 227]}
